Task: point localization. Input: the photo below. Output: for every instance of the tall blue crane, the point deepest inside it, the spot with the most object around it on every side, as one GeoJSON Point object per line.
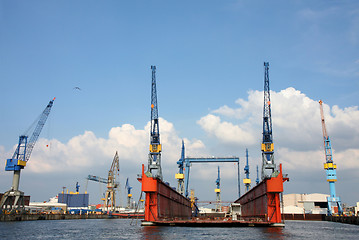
{"type": "Point", "coordinates": [129, 195]}
{"type": "Point", "coordinates": [218, 192]}
{"type": "Point", "coordinates": [330, 169]}
{"type": "Point", "coordinates": [14, 199]}
{"type": "Point", "coordinates": [180, 174]}
{"type": "Point", "coordinates": [154, 157]}
{"type": "Point", "coordinates": [247, 180]}
{"type": "Point", "coordinates": [267, 141]}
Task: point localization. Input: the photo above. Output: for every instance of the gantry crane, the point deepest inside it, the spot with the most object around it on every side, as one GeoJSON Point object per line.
{"type": "Point", "coordinates": [247, 180]}
{"type": "Point", "coordinates": [184, 164]}
{"type": "Point", "coordinates": [154, 157]}
{"type": "Point", "coordinates": [330, 169]}
{"type": "Point", "coordinates": [129, 195]}
{"type": "Point", "coordinates": [13, 199]}
{"type": "Point", "coordinates": [112, 183]}
{"type": "Point", "coordinates": [218, 192]}
{"type": "Point", "coordinates": [267, 141]}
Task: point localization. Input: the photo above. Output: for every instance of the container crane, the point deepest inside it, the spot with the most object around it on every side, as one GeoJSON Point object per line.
{"type": "Point", "coordinates": [13, 199]}
{"type": "Point", "coordinates": [267, 141]}
{"type": "Point", "coordinates": [180, 175]}
{"type": "Point", "coordinates": [330, 169]}
{"type": "Point", "coordinates": [129, 195]}
{"type": "Point", "coordinates": [218, 192]}
{"type": "Point", "coordinates": [154, 157]}
{"type": "Point", "coordinates": [247, 180]}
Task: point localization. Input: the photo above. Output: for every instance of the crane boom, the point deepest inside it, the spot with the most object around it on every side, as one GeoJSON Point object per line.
{"type": "Point", "coordinates": [330, 169]}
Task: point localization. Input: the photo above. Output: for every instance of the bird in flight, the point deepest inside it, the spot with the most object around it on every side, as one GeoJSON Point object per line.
{"type": "Point", "coordinates": [77, 88]}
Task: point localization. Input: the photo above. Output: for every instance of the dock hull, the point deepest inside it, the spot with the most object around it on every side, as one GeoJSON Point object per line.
{"type": "Point", "coordinates": [163, 202]}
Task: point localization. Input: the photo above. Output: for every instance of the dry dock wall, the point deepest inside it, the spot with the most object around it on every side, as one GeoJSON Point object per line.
{"type": "Point", "coordinates": [343, 219]}
{"type": "Point", "coordinates": [32, 217]}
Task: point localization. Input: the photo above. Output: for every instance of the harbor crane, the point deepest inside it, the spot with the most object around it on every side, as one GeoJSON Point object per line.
{"type": "Point", "coordinates": [129, 195]}
{"type": "Point", "coordinates": [257, 179]}
{"type": "Point", "coordinates": [154, 157]}
{"type": "Point", "coordinates": [13, 200]}
{"type": "Point", "coordinates": [218, 192]}
{"type": "Point", "coordinates": [247, 180]}
{"type": "Point", "coordinates": [330, 169]}
{"type": "Point", "coordinates": [267, 146]}
{"type": "Point", "coordinates": [184, 165]}
{"type": "Point", "coordinates": [112, 182]}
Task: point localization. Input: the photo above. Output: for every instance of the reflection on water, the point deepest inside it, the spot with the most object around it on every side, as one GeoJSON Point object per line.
{"type": "Point", "coordinates": [273, 232]}
{"type": "Point", "coordinates": [151, 232]}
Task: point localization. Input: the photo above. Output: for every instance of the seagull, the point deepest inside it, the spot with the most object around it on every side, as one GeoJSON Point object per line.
{"type": "Point", "coordinates": [77, 88]}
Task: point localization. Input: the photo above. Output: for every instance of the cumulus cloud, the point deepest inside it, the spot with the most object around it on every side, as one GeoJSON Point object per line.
{"type": "Point", "coordinates": [296, 128]}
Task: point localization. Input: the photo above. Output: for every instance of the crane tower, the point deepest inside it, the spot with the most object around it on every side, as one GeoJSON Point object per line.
{"type": "Point", "coordinates": [13, 199]}
{"type": "Point", "coordinates": [247, 180]}
{"type": "Point", "coordinates": [267, 141]}
{"type": "Point", "coordinates": [154, 157]}
{"type": "Point", "coordinates": [330, 169]}
{"type": "Point", "coordinates": [218, 192]}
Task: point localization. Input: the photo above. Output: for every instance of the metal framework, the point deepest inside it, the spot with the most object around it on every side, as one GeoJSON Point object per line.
{"type": "Point", "coordinates": [129, 195]}
{"type": "Point", "coordinates": [13, 199]}
{"type": "Point", "coordinates": [247, 180]}
{"type": "Point", "coordinates": [218, 192]}
{"type": "Point", "coordinates": [154, 157]}
{"type": "Point", "coordinates": [184, 164]}
{"type": "Point", "coordinates": [267, 141]}
{"type": "Point", "coordinates": [330, 169]}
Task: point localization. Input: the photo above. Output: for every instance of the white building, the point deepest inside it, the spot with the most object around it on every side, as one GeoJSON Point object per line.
{"type": "Point", "coordinates": [315, 203]}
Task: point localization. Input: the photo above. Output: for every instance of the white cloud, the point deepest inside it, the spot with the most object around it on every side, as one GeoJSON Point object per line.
{"type": "Point", "coordinates": [297, 129]}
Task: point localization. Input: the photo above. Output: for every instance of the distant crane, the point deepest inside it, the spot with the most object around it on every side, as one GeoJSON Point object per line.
{"type": "Point", "coordinates": [154, 157]}
{"type": "Point", "coordinates": [257, 179]}
{"type": "Point", "coordinates": [184, 164]}
{"type": "Point", "coordinates": [112, 184]}
{"type": "Point", "coordinates": [13, 199]}
{"type": "Point", "coordinates": [129, 195]}
{"type": "Point", "coordinates": [267, 142]}
{"type": "Point", "coordinates": [330, 169]}
{"type": "Point", "coordinates": [218, 192]}
{"type": "Point", "coordinates": [247, 180]}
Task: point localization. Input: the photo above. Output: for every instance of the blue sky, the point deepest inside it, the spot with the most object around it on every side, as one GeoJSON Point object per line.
{"type": "Point", "coordinates": [209, 57]}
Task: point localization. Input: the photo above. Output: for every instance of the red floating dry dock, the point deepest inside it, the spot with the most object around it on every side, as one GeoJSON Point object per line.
{"type": "Point", "coordinates": [263, 200]}
{"type": "Point", "coordinates": [162, 202]}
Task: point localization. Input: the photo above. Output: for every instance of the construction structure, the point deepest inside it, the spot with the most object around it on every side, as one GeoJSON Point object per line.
{"type": "Point", "coordinates": [217, 190]}
{"type": "Point", "coordinates": [334, 203]}
{"type": "Point", "coordinates": [185, 163]}
{"type": "Point", "coordinates": [13, 199]}
{"type": "Point", "coordinates": [162, 201]}
{"type": "Point", "coordinates": [74, 199]}
{"type": "Point", "coordinates": [247, 180]}
{"type": "Point", "coordinates": [129, 194]}
{"type": "Point", "coordinates": [112, 182]}
{"type": "Point", "coordinates": [264, 200]}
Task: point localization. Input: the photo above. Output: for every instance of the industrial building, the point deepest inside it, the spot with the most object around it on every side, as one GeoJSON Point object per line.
{"type": "Point", "coordinates": [315, 203]}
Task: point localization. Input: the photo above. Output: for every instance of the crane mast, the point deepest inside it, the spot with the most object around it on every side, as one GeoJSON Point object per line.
{"type": "Point", "coordinates": [180, 175]}
{"type": "Point", "coordinates": [267, 141]}
{"type": "Point", "coordinates": [330, 169]}
{"type": "Point", "coordinates": [247, 180]}
{"type": "Point", "coordinates": [14, 199]}
{"type": "Point", "coordinates": [154, 157]}
{"type": "Point", "coordinates": [112, 184]}
{"type": "Point", "coordinates": [218, 192]}
{"type": "Point", "coordinates": [129, 195]}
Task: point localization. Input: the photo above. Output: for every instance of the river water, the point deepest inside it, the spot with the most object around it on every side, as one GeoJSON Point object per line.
{"type": "Point", "coordinates": [130, 229]}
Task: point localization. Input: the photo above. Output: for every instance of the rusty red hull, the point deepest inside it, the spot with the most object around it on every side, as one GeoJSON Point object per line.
{"type": "Point", "coordinates": [162, 202]}
{"type": "Point", "coordinates": [263, 200]}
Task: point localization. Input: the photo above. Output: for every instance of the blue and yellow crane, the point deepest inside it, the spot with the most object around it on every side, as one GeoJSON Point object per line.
{"type": "Point", "coordinates": [129, 195]}
{"type": "Point", "coordinates": [267, 141]}
{"type": "Point", "coordinates": [154, 157]}
{"type": "Point", "coordinates": [217, 190]}
{"type": "Point", "coordinates": [13, 200]}
{"type": "Point", "coordinates": [247, 180]}
{"type": "Point", "coordinates": [330, 169]}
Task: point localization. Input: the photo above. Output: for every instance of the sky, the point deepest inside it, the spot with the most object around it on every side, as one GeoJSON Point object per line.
{"type": "Point", "coordinates": [209, 57]}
